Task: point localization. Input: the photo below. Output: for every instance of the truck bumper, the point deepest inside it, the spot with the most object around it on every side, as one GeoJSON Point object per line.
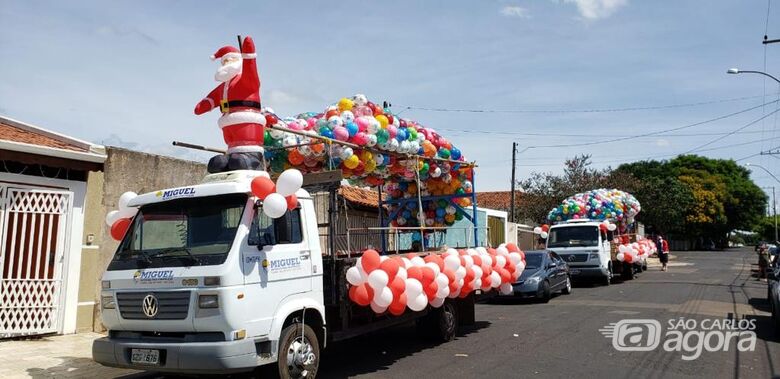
{"type": "Point", "coordinates": [588, 272]}
{"type": "Point", "coordinates": [190, 357]}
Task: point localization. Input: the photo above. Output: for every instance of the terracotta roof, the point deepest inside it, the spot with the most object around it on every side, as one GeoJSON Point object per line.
{"type": "Point", "coordinates": [16, 134]}
{"type": "Point", "coordinates": [361, 196]}
{"type": "Point", "coordinates": [498, 200]}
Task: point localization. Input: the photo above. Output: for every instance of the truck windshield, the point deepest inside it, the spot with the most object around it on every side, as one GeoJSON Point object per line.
{"type": "Point", "coordinates": [571, 236]}
{"type": "Point", "coordinates": [183, 232]}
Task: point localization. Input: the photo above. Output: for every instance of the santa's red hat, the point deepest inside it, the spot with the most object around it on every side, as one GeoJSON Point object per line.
{"type": "Point", "coordinates": [226, 50]}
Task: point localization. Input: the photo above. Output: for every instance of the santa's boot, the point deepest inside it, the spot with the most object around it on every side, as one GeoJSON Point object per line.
{"type": "Point", "coordinates": [245, 161]}
{"type": "Point", "coordinates": [217, 163]}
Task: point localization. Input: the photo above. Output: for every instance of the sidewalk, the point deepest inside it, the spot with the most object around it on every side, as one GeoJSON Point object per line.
{"type": "Point", "coordinates": [68, 356]}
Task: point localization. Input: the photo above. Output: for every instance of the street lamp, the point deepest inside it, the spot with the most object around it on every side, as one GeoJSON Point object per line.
{"type": "Point", "coordinates": [774, 203]}
{"type": "Point", "coordinates": [738, 71]}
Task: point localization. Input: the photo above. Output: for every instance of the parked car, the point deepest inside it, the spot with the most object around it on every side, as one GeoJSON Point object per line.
{"type": "Point", "coordinates": [773, 293]}
{"type": "Point", "coordinates": [545, 273]}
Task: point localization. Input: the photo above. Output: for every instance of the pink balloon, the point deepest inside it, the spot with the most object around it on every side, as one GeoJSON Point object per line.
{"type": "Point", "coordinates": [392, 130]}
{"type": "Point", "coordinates": [341, 133]}
{"type": "Point", "coordinates": [360, 138]}
{"type": "Point", "coordinates": [311, 122]}
{"type": "Point", "coordinates": [362, 123]}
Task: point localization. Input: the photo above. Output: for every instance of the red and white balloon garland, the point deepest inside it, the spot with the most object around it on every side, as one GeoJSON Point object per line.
{"type": "Point", "coordinates": [119, 220]}
{"type": "Point", "coordinates": [635, 251]}
{"type": "Point", "coordinates": [280, 197]}
{"type": "Point", "coordinates": [395, 283]}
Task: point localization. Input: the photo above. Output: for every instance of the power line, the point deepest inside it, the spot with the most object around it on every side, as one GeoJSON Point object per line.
{"type": "Point", "coordinates": [587, 135]}
{"type": "Point", "coordinates": [735, 131]}
{"type": "Point", "coordinates": [597, 110]}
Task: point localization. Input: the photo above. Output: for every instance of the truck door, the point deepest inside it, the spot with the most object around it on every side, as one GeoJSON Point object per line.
{"type": "Point", "coordinates": [276, 264]}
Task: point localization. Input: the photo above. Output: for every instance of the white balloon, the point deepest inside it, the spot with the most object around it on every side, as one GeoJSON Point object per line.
{"type": "Point", "coordinates": [125, 198]}
{"type": "Point", "coordinates": [289, 182]}
{"type": "Point", "coordinates": [520, 266]}
{"type": "Point", "coordinates": [377, 309]}
{"type": "Point", "coordinates": [407, 262]}
{"type": "Point", "coordinates": [452, 251]}
{"type": "Point", "coordinates": [378, 279]}
{"type": "Point", "coordinates": [620, 256]}
{"type": "Point", "coordinates": [434, 267]}
{"type": "Point", "coordinates": [460, 273]}
{"type": "Point", "coordinates": [443, 291]}
{"type": "Point", "coordinates": [495, 279]}
{"type": "Point", "coordinates": [502, 251]}
{"type": "Point", "coordinates": [482, 250]}
{"type": "Point", "coordinates": [515, 258]}
{"type": "Point", "coordinates": [611, 227]}
{"type": "Point", "coordinates": [478, 283]}
{"type": "Point", "coordinates": [353, 276]}
{"type": "Point", "coordinates": [112, 217]}
{"type": "Point", "coordinates": [442, 280]}
{"type": "Point", "coordinates": [418, 303]}
{"type": "Point", "coordinates": [537, 230]}
{"type": "Point", "coordinates": [477, 271]}
{"type": "Point", "coordinates": [417, 261]}
{"type": "Point", "coordinates": [506, 289]}
{"type": "Point", "coordinates": [401, 273]}
{"type": "Point", "coordinates": [127, 212]}
{"type": "Point", "coordinates": [468, 260]}
{"type": "Point", "coordinates": [451, 262]}
{"type": "Point", "coordinates": [274, 205]}
{"type": "Point", "coordinates": [383, 297]}
{"type": "Point", "coordinates": [543, 235]}
{"type": "Point", "coordinates": [471, 252]}
{"type": "Point", "coordinates": [500, 260]}
{"type": "Point", "coordinates": [455, 294]}
{"type": "Point", "coordinates": [437, 302]}
{"type": "Point", "coordinates": [413, 288]}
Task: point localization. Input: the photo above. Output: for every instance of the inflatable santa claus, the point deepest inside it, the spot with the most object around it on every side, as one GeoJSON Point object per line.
{"type": "Point", "coordinates": [238, 98]}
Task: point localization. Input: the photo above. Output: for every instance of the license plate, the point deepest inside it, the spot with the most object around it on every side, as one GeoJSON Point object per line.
{"type": "Point", "coordinates": [574, 271]}
{"type": "Point", "coordinates": [145, 356]}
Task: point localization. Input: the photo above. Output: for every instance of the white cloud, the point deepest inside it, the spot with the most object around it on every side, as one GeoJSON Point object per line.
{"type": "Point", "coordinates": [662, 142]}
{"type": "Point", "coordinates": [514, 11]}
{"type": "Point", "coordinates": [596, 9]}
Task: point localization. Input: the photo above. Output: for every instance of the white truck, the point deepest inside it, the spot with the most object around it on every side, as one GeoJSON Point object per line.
{"type": "Point", "coordinates": [203, 282]}
{"type": "Point", "coordinates": [588, 251]}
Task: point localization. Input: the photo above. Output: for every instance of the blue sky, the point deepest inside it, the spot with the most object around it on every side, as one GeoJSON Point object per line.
{"type": "Point", "coordinates": [130, 72]}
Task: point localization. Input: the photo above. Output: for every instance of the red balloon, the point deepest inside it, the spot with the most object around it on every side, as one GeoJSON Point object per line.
{"type": "Point", "coordinates": [431, 289]}
{"type": "Point", "coordinates": [628, 258]}
{"type": "Point", "coordinates": [390, 266]}
{"type": "Point", "coordinates": [398, 306]}
{"type": "Point", "coordinates": [119, 228]}
{"type": "Point", "coordinates": [292, 202]}
{"type": "Point", "coordinates": [363, 295]}
{"type": "Point", "coordinates": [545, 227]}
{"type": "Point", "coordinates": [435, 259]}
{"type": "Point", "coordinates": [262, 187]}
{"type": "Point", "coordinates": [271, 119]}
{"type": "Point", "coordinates": [467, 288]}
{"type": "Point", "coordinates": [492, 251]}
{"type": "Point", "coordinates": [477, 260]}
{"type": "Point", "coordinates": [428, 276]}
{"type": "Point", "coordinates": [411, 255]}
{"type": "Point", "coordinates": [415, 273]}
{"type": "Point", "coordinates": [512, 247]}
{"type": "Point", "coordinates": [506, 276]}
{"type": "Point", "coordinates": [397, 286]}
{"type": "Point", "coordinates": [469, 276]}
{"type": "Point", "coordinates": [370, 260]}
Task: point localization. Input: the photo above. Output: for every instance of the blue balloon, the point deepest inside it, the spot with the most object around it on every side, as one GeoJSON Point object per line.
{"type": "Point", "coordinates": [455, 153]}
{"type": "Point", "coordinates": [400, 135]}
{"type": "Point", "coordinates": [352, 128]}
{"type": "Point", "coordinates": [440, 212]}
{"type": "Point", "coordinates": [326, 133]}
{"type": "Point", "coordinates": [406, 214]}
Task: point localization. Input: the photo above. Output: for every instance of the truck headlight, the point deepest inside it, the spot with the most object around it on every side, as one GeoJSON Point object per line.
{"type": "Point", "coordinates": [107, 302]}
{"type": "Point", "coordinates": [593, 256]}
{"type": "Point", "coordinates": [105, 284]}
{"type": "Point", "coordinates": [208, 301]}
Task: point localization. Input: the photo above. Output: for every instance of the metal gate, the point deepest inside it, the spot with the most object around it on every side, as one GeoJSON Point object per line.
{"type": "Point", "coordinates": [34, 224]}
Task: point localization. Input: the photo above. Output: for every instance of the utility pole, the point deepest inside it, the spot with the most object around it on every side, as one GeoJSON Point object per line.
{"type": "Point", "coordinates": [512, 194]}
{"type": "Point", "coordinates": [774, 211]}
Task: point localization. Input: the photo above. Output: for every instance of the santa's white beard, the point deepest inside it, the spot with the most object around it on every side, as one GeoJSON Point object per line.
{"type": "Point", "coordinates": [229, 71]}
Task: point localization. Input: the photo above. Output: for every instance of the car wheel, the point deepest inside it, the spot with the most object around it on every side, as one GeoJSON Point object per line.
{"type": "Point", "coordinates": [608, 279]}
{"type": "Point", "coordinates": [299, 352]}
{"type": "Point", "coordinates": [544, 292]}
{"type": "Point", "coordinates": [447, 322]}
{"type": "Point", "coordinates": [566, 286]}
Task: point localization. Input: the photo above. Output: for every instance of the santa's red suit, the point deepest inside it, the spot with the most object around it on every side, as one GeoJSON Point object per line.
{"type": "Point", "coordinates": [238, 98]}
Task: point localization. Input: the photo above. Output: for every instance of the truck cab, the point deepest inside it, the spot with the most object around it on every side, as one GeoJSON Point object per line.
{"type": "Point", "coordinates": [583, 247]}
{"type": "Point", "coordinates": [205, 282]}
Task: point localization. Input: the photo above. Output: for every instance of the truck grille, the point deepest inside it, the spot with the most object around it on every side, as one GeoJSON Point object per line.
{"type": "Point", "coordinates": [173, 305]}
{"type": "Point", "coordinates": [569, 258]}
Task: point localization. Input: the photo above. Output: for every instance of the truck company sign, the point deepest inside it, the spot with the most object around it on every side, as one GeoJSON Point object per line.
{"type": "Point", "coordinates": [282, 265]}
{"type": "Point", "coordinates": [176, 193]}
{"type": "Point", "coordinates": [156, 276]}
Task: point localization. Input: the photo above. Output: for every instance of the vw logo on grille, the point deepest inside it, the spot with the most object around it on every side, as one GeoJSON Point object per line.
{"type": "Point", "coordinates": [149, 306]}
{"type": "Point", "coordinates": [571, 258]}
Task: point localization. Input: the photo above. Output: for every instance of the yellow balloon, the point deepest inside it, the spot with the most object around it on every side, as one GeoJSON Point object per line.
{"type": "Point", "coordinates": [345, 104]}
{"type": "Point", "coordinates": [382, 120]}
{"type": "Point", "coordinates": [352, 161]}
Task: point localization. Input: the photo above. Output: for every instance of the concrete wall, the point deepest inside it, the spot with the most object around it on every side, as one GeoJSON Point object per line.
{"type": "Point", "coordinates": [90, 254]}
{"type": "Point", "coordinates": [124, 170]}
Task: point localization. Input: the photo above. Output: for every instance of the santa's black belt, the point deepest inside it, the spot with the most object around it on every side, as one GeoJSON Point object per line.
{"type": "Point", "coordinates": [225, 105]}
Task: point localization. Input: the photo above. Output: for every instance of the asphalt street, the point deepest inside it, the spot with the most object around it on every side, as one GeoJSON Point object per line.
{"type": "Point", "coordinates": [521, 338]}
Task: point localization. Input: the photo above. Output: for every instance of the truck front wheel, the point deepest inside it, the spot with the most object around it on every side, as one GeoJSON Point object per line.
{"type": "Point", "coordinates": [299, 352]}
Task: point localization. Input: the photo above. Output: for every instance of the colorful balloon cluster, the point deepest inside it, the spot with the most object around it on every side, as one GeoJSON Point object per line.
{"type": "Point", "coordinates": [391, 140]}
{"type": "Point", "coordinates": [280, 197]}
{"type": "Point", "coordinates": [119, 220]}
{"type": "Point", "coordinates": [600, 204]}
{"type": "Point", "coordinates": [636, 251]}
{"type": "Point", "coordinates": [395, 283]}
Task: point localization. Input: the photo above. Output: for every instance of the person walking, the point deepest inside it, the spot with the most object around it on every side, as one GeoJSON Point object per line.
{"type": "Point", "coordinates": [763, 261]}
{"type": "Point", "coordinates": [663, 251]}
